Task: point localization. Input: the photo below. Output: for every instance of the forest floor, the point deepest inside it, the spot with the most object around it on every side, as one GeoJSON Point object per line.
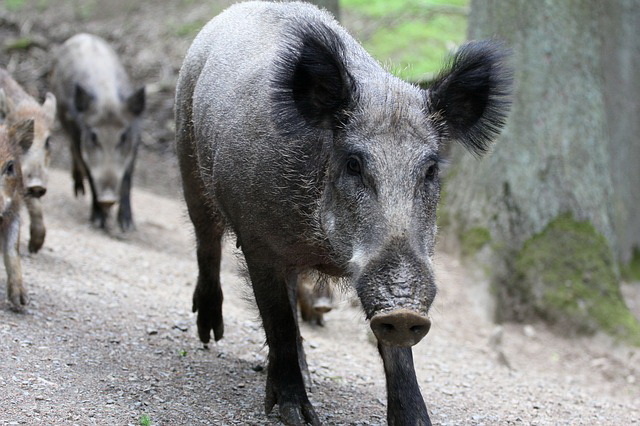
{"type": "Point", "coordinates": [109, 337]}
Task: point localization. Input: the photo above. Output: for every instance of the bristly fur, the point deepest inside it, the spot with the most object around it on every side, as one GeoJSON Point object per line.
{"type": "Point", "coordinates": [311, 85]}
{"type": "Point", "coordinates": [472, 94]}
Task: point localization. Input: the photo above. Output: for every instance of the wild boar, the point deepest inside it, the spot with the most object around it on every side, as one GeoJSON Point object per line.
{"type": "Point", "coordinates": [13, 138]}
{"type": "Point", "coordinates": [315, 299]}
{"type": "Point", "coordinates": [35, 161]}
{"type": "Point", "coordinates": [100, 111]}
{"type": "Point", "coordinates": [293, 137]}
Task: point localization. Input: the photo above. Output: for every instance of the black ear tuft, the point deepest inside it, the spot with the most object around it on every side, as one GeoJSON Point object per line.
{"type": "Point", "coordinates": [471, 95]}
{"type": "Point", "coordinates": [136, 102]}
{"type": "Point", "coordinates": [311, 80]}
{"type": "Point", "coordinates": [82, 99]}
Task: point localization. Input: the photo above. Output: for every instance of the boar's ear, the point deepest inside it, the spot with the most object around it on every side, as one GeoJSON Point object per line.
{"type": "Point", "coordinates": [136, 102]}
{"type": "Point", "coordinates": [49, 106]}
{"type": "Point", "coordinates": [470, 97]}
{"type": "Point", "coordinates": [82, 99]}
{"type": "Point", "coordinates": [315, 78]}
{"type": "Point", "coordinates": [23, 133]}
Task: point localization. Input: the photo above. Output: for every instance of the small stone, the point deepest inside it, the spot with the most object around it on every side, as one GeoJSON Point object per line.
{"type": "Point", "coordinates": [529, 331]}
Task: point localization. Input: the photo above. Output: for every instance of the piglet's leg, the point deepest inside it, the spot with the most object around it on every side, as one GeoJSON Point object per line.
{"type": "Point", "coordinates": [15, 290]}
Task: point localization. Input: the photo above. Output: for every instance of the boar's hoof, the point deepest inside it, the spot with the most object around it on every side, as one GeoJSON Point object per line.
{"type": "Point", "coordinates": [78, 188]}
{"type": "Point", "coordinates": [125, 221]}
{"type": "Point", "coordinates": [35, 244]}
{"type": "Point", "coordinates": [401, 327]}
{"type": "Point", "coordinates": [292, 412]}
{"type": "Point", "coordinates": [17, 302]}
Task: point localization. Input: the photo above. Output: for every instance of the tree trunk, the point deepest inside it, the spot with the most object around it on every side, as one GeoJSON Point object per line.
{"type": "Point", "coordinates": [620, 66]}
{"type": "Point", "coordinates": [542, 209]}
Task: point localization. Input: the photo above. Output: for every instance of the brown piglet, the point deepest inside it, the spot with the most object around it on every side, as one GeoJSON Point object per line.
{"type": "Point", "coordinates": [12, 138]}
{"type": "Point", "coordinates": [20, 106]}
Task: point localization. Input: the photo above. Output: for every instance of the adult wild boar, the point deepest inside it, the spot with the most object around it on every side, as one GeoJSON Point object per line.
{"type": "Point", "coordinates": [100, 111]}
{"type": "Point", "coordinates": [35, 160]}
{"type": "Point", "coordinates": [293, 137]}
{"type": "Point", "coordinates": [13, 138]}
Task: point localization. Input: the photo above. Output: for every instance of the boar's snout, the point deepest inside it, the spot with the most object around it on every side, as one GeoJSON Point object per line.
{"type": "Point", "coordinates": [36, 191]}
{"type": "Point", "coordinates": [105, 205]}
{"type": "Point", "coordinates": [106, 199]}
{"type": "Point", "coordinates": [401, 327]}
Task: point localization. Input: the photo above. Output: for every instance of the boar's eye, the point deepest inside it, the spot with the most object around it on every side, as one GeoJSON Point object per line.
{"type": "Point", "coordinates": [47, 143]}
{"type": "Point", "coordinates": [9, 169]}
{"type": "Point", "coordinates": [432, 172]}
{"type": "Point", "coordinates": [123, 139]}
{"type": "Point", "coordinates": [94, 138]}
{"type": "Point", "coordinates": [353, 166]}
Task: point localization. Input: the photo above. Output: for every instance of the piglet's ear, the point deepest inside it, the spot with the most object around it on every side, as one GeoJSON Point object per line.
{"type": "Point", "coordinates": [5, 105]}
{"type": "Point", "coordinates": [136, 102]}
{"type": "Point", "coordinates": [23, 133]}
{"type": "Point", "coordinates": [470, 97]}
{"type": "Point", "coordinates": [49, 106]}
{"type": "Point", "coordinates": [82, 99]}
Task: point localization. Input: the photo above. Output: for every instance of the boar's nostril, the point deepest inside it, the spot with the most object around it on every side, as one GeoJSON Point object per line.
{"type": "Point", "coordinates": [388, 328]}
{"type": "Point", "coordinates": [401, 327]}
{"type": "Point", "coordinates": [421, 329]}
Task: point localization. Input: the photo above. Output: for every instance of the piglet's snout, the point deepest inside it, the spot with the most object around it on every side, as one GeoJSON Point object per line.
{"type": "Point", "coordinates": [401, 327]}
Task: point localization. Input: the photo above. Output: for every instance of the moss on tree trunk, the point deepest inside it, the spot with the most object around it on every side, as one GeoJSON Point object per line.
{"type": "Point", "coordinates": [566, 273]}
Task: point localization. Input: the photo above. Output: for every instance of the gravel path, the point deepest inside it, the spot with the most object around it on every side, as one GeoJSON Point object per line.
{"type": "Point", "coordinates": [109, 339]}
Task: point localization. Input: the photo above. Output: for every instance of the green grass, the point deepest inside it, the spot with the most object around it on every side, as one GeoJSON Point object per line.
{"type": "Point", "coordinates": [14, 5]}
{"type": "Point", "coordinates": [145, 420]}
{"type": "Point", "coordinates": [411, 37]}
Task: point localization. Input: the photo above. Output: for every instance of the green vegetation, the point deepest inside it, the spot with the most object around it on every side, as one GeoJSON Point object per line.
{"type": "Point", "coordinates": [473, 240]}
{"type": "Point", "coordinates": [631, 271]}
{"type": "Point", "coordinates": [14, 5]}
{"type": "Point", "coordinates": [411, 37]}
{"type": "Point", "coordinates": [567, 273]}
{"type": "Point", "coordinates": [145, 420]}
{"type": "Point", "coordinates": [190, 29]}
{"type": "Point", "coordinates": [22, 43]}
{"type": "Point", "coordinates": [182, 352]}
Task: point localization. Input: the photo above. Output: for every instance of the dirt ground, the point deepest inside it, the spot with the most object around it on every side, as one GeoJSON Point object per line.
{"type": "Point", "coordinates": [109, 337]}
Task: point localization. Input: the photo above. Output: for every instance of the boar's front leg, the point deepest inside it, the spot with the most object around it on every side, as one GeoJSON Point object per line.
{"type": "Point", "coordinates": [285, 385]}
{"type": "Point", "coordinates": [78, 177]}
{"type": "Point", "coordinates": [125, 218]}
{"type": "Point", "coordinates": [16, 293]}
{"type": "Point", "coordinates": [98, 214]}
{"type": "Point", "coordinates": [37, 230]}
{"type": "Point", "coordinates": [405, 405]}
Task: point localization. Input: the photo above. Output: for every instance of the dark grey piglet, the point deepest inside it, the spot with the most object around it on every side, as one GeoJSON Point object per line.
{"type": "Point", "coordinates": [293, 137]}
